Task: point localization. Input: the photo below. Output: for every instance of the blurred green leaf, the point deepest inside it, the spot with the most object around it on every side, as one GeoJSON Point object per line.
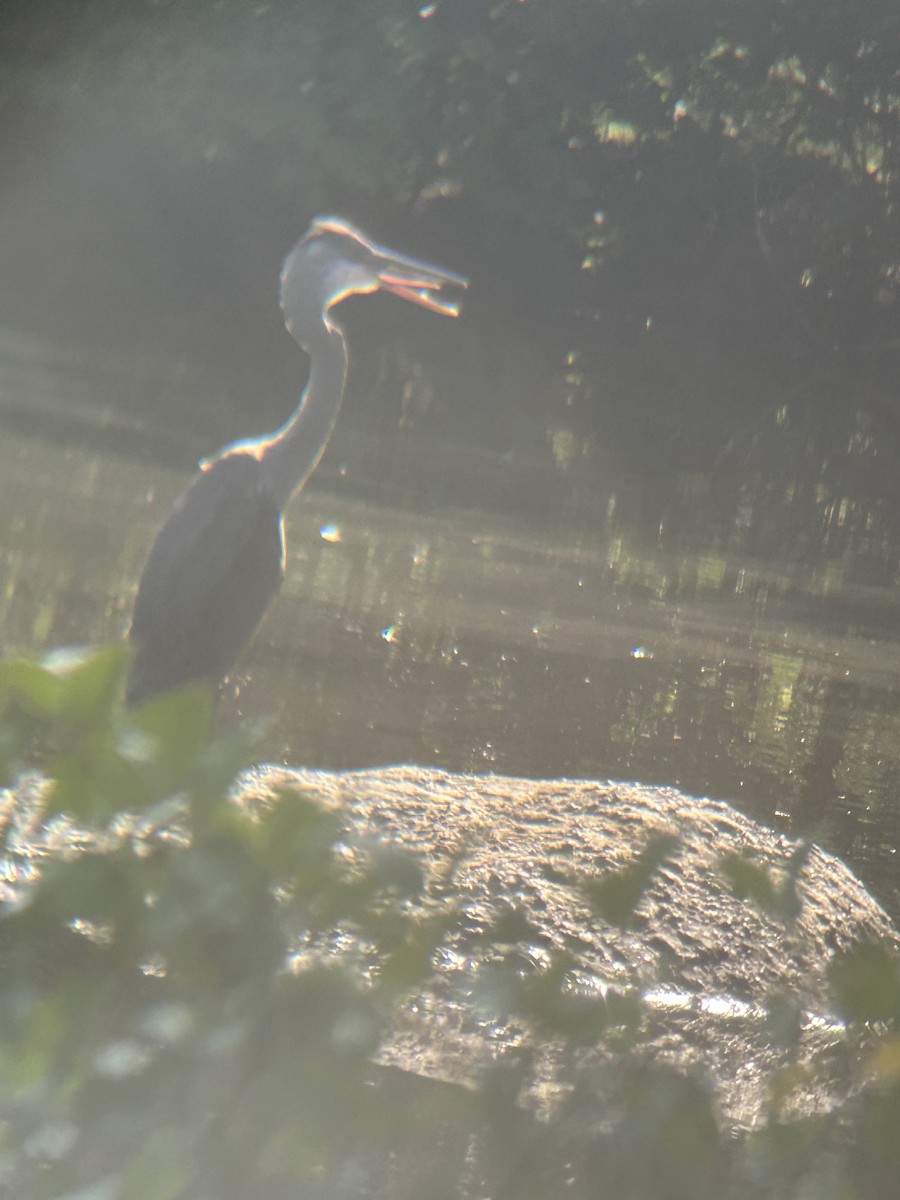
{"type": "Point", "coordinates": [216, 770]}
{"type": "Point", "coordinates": [511, 926]}
{"type": "Point", "coordinates": [776, 892]}
{"type": "Point", "coordinates": [92, 781]}
{"type": "Point", "coordinates": [157, 1170]}
{"type": "Point", "coordinates": [394, 869]}
{"type": "Point", "coordinates": [103, 889]}
{"type": "Point", "coordinates": [789, 900]}
{"type": "Point", "coordinates": [884, 1062]}
{"type": "Point", "coordinates": [179, 723]}
{"type": "Point", "coordinates": [12, 746]}
{"type": "Point", "coordinates": [866, 982]}
{"type": "Point", "coordinates": [33, 1055]}
{"type": "Point", "coordinates": [787, 1084]}
{"type": "Point", "coordinates": [70, 789]}
{"type": "Point", "coordinates": [666, 1133]}
{"type": "Point", "coordinates": [784, 1020]}
{"type": "Point", "coordinates": [748, 881]}
{"type": "Point", "coordinates": [293, 839]}
{"type": "Point", "coordinates": [616, 895]}
{"type": "Point", "coordinates": [879, 1141]}
{"type": "Point", "coordinates": [783, 1152]}
{"type": "Point", "coordinates": [89, 689]}
{"type": "Point", "coordinates": [33, 687]}
{"type": "Point", "coordinates": [214, 916]}
{"type": "Point", "coordinates": [410, 961]}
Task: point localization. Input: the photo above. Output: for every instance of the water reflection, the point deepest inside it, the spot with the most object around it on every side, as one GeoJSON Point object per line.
{"type": "Point", "coordinates": [458, 637]}
{"type": "Point", "coordinates": [520, 656]}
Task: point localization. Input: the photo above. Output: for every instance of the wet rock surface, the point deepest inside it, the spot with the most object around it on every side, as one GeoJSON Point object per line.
{"type": "Point", "coordinates": [713, 971]}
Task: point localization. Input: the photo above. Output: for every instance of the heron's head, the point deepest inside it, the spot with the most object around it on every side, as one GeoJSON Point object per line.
{"type": "Point", "coordinates": [334, 260]}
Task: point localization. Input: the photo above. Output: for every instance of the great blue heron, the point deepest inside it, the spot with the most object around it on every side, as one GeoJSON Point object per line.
{"type": "Point", "coordinates": [219, 558]}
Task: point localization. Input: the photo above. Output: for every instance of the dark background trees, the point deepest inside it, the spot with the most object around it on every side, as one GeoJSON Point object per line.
{"type": "Point", "coordinates": [689, 202]}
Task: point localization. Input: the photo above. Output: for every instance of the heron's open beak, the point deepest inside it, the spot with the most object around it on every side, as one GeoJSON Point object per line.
{"type": "Point", "coordinates": [417, 281]}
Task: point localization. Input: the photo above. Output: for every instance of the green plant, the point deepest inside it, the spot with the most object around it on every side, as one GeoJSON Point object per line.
{"type": "Point", "coordinates": [193, 996]}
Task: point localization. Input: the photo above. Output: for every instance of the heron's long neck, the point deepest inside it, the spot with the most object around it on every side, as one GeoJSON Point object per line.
{"type": "Point", "coordinates": [290, 455]}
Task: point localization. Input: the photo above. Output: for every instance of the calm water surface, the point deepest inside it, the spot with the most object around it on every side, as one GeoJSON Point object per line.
{"type": "Point", "coordinates": [454, 635]}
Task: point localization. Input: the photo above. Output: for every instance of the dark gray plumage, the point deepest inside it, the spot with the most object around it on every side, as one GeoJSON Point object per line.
{"type": "Point", "coordinates": [189, 620]}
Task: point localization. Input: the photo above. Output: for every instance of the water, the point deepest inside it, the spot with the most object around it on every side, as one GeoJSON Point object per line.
{"type": "Point", "coordinates": [423, 621]}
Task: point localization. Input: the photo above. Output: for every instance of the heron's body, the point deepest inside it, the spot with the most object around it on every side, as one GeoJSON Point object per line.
{"type": "Point", "coordinates": [219, 559]}
{"type": "Point", "coordinates": [212, 573]}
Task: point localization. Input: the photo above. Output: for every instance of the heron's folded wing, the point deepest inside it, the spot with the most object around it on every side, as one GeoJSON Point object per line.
{"type": "Point", "coordinates": [214, 568]}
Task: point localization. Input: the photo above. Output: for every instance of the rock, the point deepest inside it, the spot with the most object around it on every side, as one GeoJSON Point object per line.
{"type": "Point", "coordinates": [713, 971]}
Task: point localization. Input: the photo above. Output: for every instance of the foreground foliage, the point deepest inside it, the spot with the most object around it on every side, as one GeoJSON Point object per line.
{"type": "Point", "coordinates": [173, 1024]}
